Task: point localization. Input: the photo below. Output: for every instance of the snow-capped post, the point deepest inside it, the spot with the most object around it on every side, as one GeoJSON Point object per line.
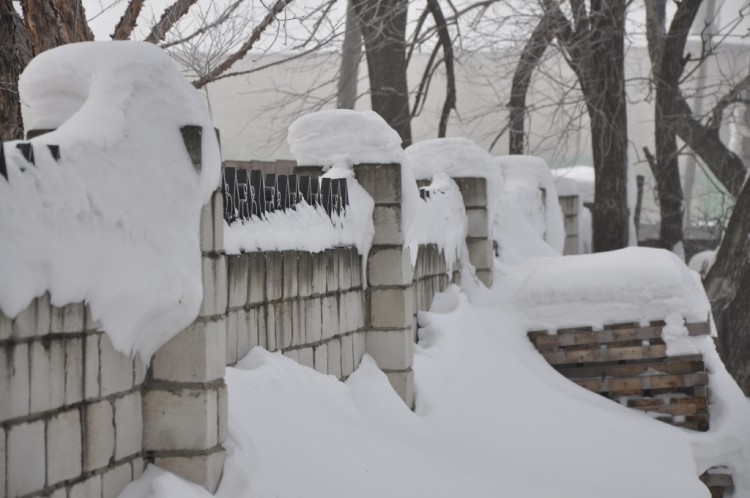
{"type": "Point", "coordinates": [479, 236]}
{"type": "Point", "coordinates": [185, 398]}
{"type": "Point", "coordinates": [390, 299]}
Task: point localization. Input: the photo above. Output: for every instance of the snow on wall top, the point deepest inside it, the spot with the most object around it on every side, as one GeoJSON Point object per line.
{"type": "Point", "coordinates": [115, 221]}
{"type": "Point", "coordinates": [343, 137]}
{"type": "Point", "coordinates": [583, 176]}
{"type": "Point", "coordinates": [457, 157]}
{"type": "Point", "coordinates": [632, 284]}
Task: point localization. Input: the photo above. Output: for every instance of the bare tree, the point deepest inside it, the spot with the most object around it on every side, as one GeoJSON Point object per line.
{"type": "Point", "coordinates": [15, 52]}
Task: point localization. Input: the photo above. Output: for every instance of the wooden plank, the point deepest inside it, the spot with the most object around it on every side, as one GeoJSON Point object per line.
{"type": "Point", "coordinates": [715, 479]}
{"type": "Point", "coordinates": [699, 328]}
{"type": "Point", "coordinates": [669, 365]}
{"type": "Point", "coordinates": [564, 357]}
{"type": "Point", "coordinates": [626, 386]}
{"type": "Point", "coordinates": [675, 409]}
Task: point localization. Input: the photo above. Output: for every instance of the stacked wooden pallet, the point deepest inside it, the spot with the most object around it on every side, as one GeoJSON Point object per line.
{"type": "Point", "coordinates": [628, 363]}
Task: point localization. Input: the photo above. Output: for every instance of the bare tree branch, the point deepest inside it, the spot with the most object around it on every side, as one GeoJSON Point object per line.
{"type": "Point", "coordinates": [450, 75]}
{"type": "Point", "coordinates": [127, 22]}
{"type": "Point", "coordinates": [169, 18]}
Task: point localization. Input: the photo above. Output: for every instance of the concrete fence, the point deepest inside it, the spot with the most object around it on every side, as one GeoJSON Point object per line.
{"type": "Point", "coordinates": [78, 418]}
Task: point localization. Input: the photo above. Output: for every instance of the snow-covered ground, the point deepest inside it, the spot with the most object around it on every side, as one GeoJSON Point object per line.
{"type": "Point", "coordinates": [492, 419]}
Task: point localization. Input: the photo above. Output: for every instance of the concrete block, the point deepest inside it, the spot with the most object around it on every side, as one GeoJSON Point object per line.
{"type": "Point", "coordinates": [139, 371]}
{"type": "Point", "coordinates": [99, 435]}
{"type": "Point", "coordinates": [359, 345]}
{"type": "Point", "coordinates": [304, 273]}
{"type": "Point", "coordinates": [473, 191]}
{"type": "Point", "coordinates": [251, 326]}
{"type": "Point", "coordinates": [274, 268]}
{"type": "Point", "coordinates": [115, 480]}
{"type": "Point", "coordinates": [89, 488]}
{"type": "Point", "coordinates": [346, 263]}
{"type": "Point", "coordinates": [313, 319]}
{"type": "Point", "coordinates": [205, 470]}
{"type": "Point", "coordinates": [285, 324]}
{"type": "Point", "coordinates": [356, 270]}
{"type": "Point", "coordinates": [381, 181]}
{"type": "Point", "coordinates": [230, 343]}
{"type": "Point", "coordinates": [334, 357]}
{"type": "Point", "coordinates": [362, 309]}
{"type": "Point", "coordinates": [569, 204]}
{"type": "Point", "coordinates": [212, 224]}
{"type": "Point", "coordinates": [481, 254]}
{"type": "Point", "coordinates": [180, 419]}
{"type": "Point", "coordinates": [350, 311]}
{"type": "Point", "coordinates": [392, 349]}
{"type": "Point", "coordinates": [320, 358]}
{"type": "Point", "coordinates": [262, 327]}
{"type": "Point", "coordinates": [389, 266]}
{"type": "Point", "coordinates": [68, 319]}
{"type": "Point", "coordinates": [73, 370]}
{"type": "Point", "coordinates": [222, 394]}
{"type": "Point", "coordinates": [320, 272]}
{"type": "Point", "coordinates": [91, 383]}
{"type": "Point", "coordinates": [14, 381]}
{"type": "Point", "coordinates": [64, 448]}
{"type": "Point", "coordinates": [138, 467]}
{"type": "Point", "coordinates": [571, 245]}
{"type": "Point", "coordinates": [289, 274]}
{"type": "Point", "coordinates": [90, 324]}
{"type": "Point", "coordinates": [571, 225]}
{"type": "Point", "coordinates": [6, 327]}
{"type": "Point", "coordinates": [330, 314]}
{"type": "Point", "coordinates": [391, 308]}
{"type": "Point", "coordinates": [298, 323]}
{"type": "Point", "coordinates": [128, 425]}
{"type": "Point", "coordinates": [403, 384]}
{"type": "Point", "coordinates": [197, 354]}
{"type": "Point", "coordinates": [59, 493]}
{"type": "Point", "coordinates": [332, 270]}
{"type": "Point", "coordinates": [238, 270]}
{"type": "Point", "coordinates": [35, 320]}
{"type": "Point", "coordinates": [47, 361]}
{"type": "Point", "coordinates": [25, 458]}
{"type": "Point", "coordinates": [256, 285]}
{"type": "Point", "coordinates": [387, 222]}
{"type": "Point", "coordinates": [117, 368]}
{"type": "Point", "coordinates": [306, 357]}
{"type": "Point", "coordinates": [485, 276]}
{"type": "Point", "coordinates": [243, 334]}
{"type": "Point", "coordinates": [478, 223]}
{"type": "Point", "coordinates": [347, 355]}
{"type": "Point", "coordinates": [292, 354]}
{"type": "Point", "coordinates": [215, 286]}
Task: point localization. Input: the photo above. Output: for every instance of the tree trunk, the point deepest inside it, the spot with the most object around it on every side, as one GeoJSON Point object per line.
{"type": "Point", "coordinates": [351, 52]}
{"type": "Point", "coordinates": [383, 24]}
{"type": "Point", "coordinates": [15, 53]}
{"type": "Point", "coordinates": [607, 107]}
{"type": "Point", "coordinates": [52, 23]}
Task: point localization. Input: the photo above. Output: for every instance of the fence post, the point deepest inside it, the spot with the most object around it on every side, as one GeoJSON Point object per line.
{"type": "Point", "coordinates": [389, 311]}
{"type": "Point", "coordinates": [479, 235]}
{"type": "Point", "coordinates": [185, 397]}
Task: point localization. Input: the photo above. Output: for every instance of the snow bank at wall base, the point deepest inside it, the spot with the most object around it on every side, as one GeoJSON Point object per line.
{"type": "Point", "coordinates": [114, 221]}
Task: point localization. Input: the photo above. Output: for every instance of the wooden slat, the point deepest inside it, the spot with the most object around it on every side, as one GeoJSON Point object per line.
{"type": "Point", "coordinates": [721, 480]}
{"type": "Point", "coordinates": [669, 365]}
{"type": "Point", "coordinates": [605, 355]}
{"type": "Point", "coordinates": [628, 385]}
{"type": "Point", "coordinates": [698, 407]}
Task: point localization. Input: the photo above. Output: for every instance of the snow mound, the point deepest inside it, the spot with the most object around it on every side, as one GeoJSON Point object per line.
{"type": "Point", "coordinates": [343, 137]}
{"type": "Point", "coordinates": [457, 157]}
{"type": "Point", "coordinates": [114, 221]}
{"type": "Point", "coordinates": [525, 177]}
{"type": "Point", "coordinates": [583, 176]}
{"type": "Point", "coordinates": [632, 284]}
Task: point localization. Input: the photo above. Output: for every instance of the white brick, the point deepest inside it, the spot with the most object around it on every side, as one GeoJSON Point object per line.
{"type": "Point", "coordinates": [138, 467]}
{"type": "Point", "coordinates": [14, 381]}
{"type": "Point", "coordinates": [478, 223]}
{"type": "Point", "coordinates": [306, 357]}
{"type": "Point", "coordinates": [274, 284]}
{"type": "Point", "coordinates": [298, 323]}
{"type": "Point", "coordinates": [222, 394]}
{"type": "Point", "coordinates": [64, 451]}
{"type": "Point", "coordinates": [481, 254]}
{"type": "Point", "coordinates": [47, 383]}
{"type": "Point", "coordinates": [319, 268]}
{"type": "Point", "coordinates": [330, 312]}
{"type": "Point", "coordinates": [116, 368]}
{"type": "Point", "coordinates": [115, 480]}
{"type": "Point", "coordinates": [346, 263]}
{"type": "Point", "coordinates": [68, 319]}
{"type": "Point", "coordinates": [389, 266]}
{"type": "Point", "coordinates": [251, 318]}
{"type": "Point", "coordinates": [391, 307]}
{"type": "Point", "coordinates": [387, 221]}
{"type": "Point", "coordinates": [257, 278]}
{"type": "Point", "coordinates": [271, 327]}
{"type": "Point", "coordinates": [25, 453]}
{"type": "Point", "coordinates": [6, 327]}
{"type": "Point", "coordinates": [285, 324]}
{"type": "Point", "coordinates": [89, 323]}
{"type": "Point", "coordinates": [289, 274]}
{"type": "Point", "coordinates": [89, 488]}
{"type": "Point", "coordinates": [485, 276]}
{"type": "Point", "coordinates": [313, 320]}
{"type": "Point", "coordinates": [321, 358]}
{"type": "Point", "coordinates": [243, 333]}
{"type": "Point", "coordinates": [205, 470]}
{"type": "Point", "coordinates": [237, 277]}
{"type": "Point", "coordinates": [139, 371]}
{"type": "Point", "coordinates": [403, 384]}
{"type": "Point", "coordinates": [332, 270]}
{"type": "Point", "coordinates": [214, 286]}
{"type": "Point", "coordinates": [382, 181]}
{"type": "Point", "coordinates": [334, 357]}
{"type": "Point", "coordinates": [34, 320]}
{"type": "Point", "coordinates": [392, 350]}
{"type": "Point", "coordinates": [230, 344]}
{"type": "Point", "coordinates": [91, 384]}
{"type": "Point", "coordinates": [59, 493]}
{"type": "Point", "coordinates": [73, 371]}
{"type": "Point", "coordinates": [212, 224]}
{"type": "Point", "coordinates": [262, 329]}
{"type": "Point", "coordinates": [292, 354]}
{"type": "Point", "coordinates": [347, 355]}
{"type": "Point", "coordinates": [128, 425]}
{"type": "Point", "coordinates": [182, 419]}
{"type": "Point", "coordinates": [359, 346]}
{"type": "Point", "coordinates": [304, 273]}
{"type": "Point", "coordinates": [99, 430]}
{"type": "Point", "coordinates": [473, 191]}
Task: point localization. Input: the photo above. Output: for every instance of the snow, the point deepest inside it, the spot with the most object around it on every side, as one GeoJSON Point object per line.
{"type": "Point", "coordinates": [702, 262]}
{"type": "Point", "coordinates": [115, 221]}
{"type": "Point", "coordinates": [525, 176]}
{"type": "Point", "coordinates": [583, 176]}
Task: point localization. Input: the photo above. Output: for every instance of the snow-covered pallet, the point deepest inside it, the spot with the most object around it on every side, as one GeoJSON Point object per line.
{"type": "Point", "coordinates": [628, 363]}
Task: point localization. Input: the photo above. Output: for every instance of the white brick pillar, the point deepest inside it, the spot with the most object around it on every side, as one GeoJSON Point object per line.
{"type": "Point", "coordinates": [389, 315]}
{"type": "Point", "coordinates": [479, 234]}
{"type": "Point", "coordinates": [185, 397]}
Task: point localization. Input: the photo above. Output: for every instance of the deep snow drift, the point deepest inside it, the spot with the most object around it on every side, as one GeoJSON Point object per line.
{"type": "Point", "coordinates": [115, 221]}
